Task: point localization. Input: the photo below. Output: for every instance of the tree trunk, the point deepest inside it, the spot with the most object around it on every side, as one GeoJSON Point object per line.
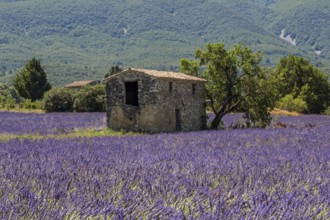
{"type": "Point", "coordinates": [216, 121]}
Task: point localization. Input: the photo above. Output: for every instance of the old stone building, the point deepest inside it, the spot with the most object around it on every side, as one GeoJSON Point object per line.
{"type": "Point", "coordinates": [155, 101]}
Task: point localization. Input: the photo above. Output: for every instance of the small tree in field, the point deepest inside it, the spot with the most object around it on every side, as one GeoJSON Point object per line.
{"type": "Point", "coordinates": [9, 92]}
{"type": "Point", "coordinates": [235, 82]}
{"type": "Point", "coordinates": [58, 100]}
{"type": "Point", "coordinates": [295, 76]}
{"type": "Point", "coordinates": [31, 81]}
{"type": "Point", "coordinates": [90, 99]}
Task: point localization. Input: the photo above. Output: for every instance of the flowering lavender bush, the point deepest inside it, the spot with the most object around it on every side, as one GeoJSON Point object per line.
{"type": "Point", "coordinates": [275, 173]}
{"type": "Point", "coordinates": [235, 120]}
{"type": "Point", "coordinates": [50, 123]}
{"type": "Point", "coordinates": [61, 123]}
{"type": "Point", "coordinates": [301, 121]}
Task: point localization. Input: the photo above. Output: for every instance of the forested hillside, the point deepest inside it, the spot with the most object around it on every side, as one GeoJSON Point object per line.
{"type": "Point", "coordinates": [78, 40]}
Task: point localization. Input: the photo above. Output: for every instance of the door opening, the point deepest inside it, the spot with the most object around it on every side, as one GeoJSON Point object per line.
{"type": "Point", "coordinates": [178, 120]}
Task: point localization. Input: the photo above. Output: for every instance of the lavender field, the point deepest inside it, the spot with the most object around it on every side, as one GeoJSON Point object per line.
{"type": "Point", "coordinates": [50, 123]}
{"type": "Point", "coordinates": [282, 172]}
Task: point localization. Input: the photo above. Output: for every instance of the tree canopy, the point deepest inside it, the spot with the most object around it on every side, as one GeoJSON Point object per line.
{"type": "Point", "coordinates": [9, 92]}
{"type": "Point", "coordinates": [236, 81]}
{"type": "Point", "coordinates": [296, 77]}
{"type": "Point", "coordinates": [90, 99]}
{"type": "Point", "coordinates": [31, 81]}
{"type": "Point", "coordinates": [58, 100]}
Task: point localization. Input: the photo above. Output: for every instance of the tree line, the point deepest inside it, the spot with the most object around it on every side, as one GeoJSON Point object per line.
{"type": "Point", "coordinates": [236, 82]}
{"type": "Point", "coordinates": [31, 90]}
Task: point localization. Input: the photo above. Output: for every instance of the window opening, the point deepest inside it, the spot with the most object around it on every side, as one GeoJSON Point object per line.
{"type": "Point", "coordinates": [132, 93]}
{"type": "Point", "coordinates": [193, 88]}
{"type": "Point", "coordinates": [170, 86]}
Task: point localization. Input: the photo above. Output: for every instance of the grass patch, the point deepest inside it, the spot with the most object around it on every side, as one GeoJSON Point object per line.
{"type": "Point", "coordinates": [22, 110]}
{"type": "Point", "coordinates": [75, 134]}
{"type": "Point", "coordinates": [96, 133]}
{"type": "Point", "coordinates": [282, 112]}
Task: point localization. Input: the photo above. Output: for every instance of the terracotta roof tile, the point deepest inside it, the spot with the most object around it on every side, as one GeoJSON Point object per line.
{"type": "Point", "coordinates": [165, 74]}
{"type": "Point", "coordinates": [79, 83]}
{"type": "Point", "coordinates": [169, 75]}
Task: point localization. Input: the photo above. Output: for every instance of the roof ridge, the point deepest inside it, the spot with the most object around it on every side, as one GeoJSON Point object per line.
{"type": "Point", "coordinates": [167, 74]}
{"type": "Point", "coordinates": [79, 83]}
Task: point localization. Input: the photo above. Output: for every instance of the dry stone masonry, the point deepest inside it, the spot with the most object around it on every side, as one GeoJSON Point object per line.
{"type": "Point", "coordinates": [155, 101]}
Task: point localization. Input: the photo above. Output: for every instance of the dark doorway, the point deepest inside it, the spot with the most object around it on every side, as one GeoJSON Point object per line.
{"type": "Point", "coordinates": [193, 87]}
{"type": "Point", "coordinates": [177, 119]}
{"type": "Point", "coordinates": [170, 86]}
{"type": "Point", "coordinates": [132, 93]}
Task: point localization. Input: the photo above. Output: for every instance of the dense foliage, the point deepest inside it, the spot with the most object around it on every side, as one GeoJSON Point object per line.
{"type": "Point", "coordinates": [276, 173]}
{"type": "Point", "coordinates": [59, 100]}
{"type": "Point", "coordinates": [8, 96]}
{"type": "Point", "coordinates": [90, 99]}
{"type": "Point", "coordinates": [292, 104]}
{"type": "Point", "coordinates": [31, 81]}
{"type": "Point", "coordinates": [295, 76]}
{"type": "Point", "coordinates": [79, 40]}
{"type": "Point", "coordinates": [235, 81]}
{"type": "Point", "coordinates": [87, 99]}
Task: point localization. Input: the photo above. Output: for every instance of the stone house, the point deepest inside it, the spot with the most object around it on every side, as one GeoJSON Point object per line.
{"type": "Point", "coordinates": [80, 84]}
{"type": "Point", "coordinates": [155, 101]}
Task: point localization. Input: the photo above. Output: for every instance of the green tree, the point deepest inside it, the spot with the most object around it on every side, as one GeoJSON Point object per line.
{"type": "Point", "coordinates": [58, 100]}
{"type": "Point", "coordinates": [113, 70]}
{"type": "Point", "coordinates": [235, 81]}
{"type": "Point", "coordinates": [90, 99]}
{"type": "Point", "coordinates": [9, 96]}
{"type": "Point", "coordinates": [31, 81]}
{"type": "Point", "coordinates": [290, 103]}
{"type": "Point", "coordinates": [9, 92]}
{"type": "Point", "coordinates": [297, 77]}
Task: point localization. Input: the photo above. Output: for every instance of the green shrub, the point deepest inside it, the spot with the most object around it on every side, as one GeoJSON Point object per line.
{"type": "Point", "coordinates": [28, 104]}
{"type": "Point", "coordinates": [327, 111]}
{"type": "Point", "coordinates": [291, 104]}
{"type": "Point", "coordinates": [295, 75]}
{"type": "Point", "coordinates": [58, 100]}
{"type": "Point", "coordinates": [90, 99]}
{"type": "Point", "coordinates": [9, 93]}
{"type": "Point", "coordinates": [10, 103]}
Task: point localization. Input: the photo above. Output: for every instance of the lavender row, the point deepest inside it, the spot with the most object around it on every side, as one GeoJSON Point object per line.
{"type": "Point", "coordinates": [59, 123]}
{"type": "Point", "coordinates": [301, 121]}
{"type": "Point", "coordinates": [50, 123]}
{"type": "Point", "coordinates": [230, 174]}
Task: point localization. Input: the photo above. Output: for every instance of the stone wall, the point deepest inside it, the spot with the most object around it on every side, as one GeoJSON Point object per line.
{"type": "Point", "coordinates": [191, 105]}
{"type": "Point", "coordinates": [160, 107]}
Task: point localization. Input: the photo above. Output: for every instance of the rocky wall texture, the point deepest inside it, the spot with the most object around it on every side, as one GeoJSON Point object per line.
{"type": "Point", "coordinates": [164, 105]}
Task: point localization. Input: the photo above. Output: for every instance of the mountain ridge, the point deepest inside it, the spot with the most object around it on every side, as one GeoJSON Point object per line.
{"type": "Point", "coordinates": [82, 40]}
